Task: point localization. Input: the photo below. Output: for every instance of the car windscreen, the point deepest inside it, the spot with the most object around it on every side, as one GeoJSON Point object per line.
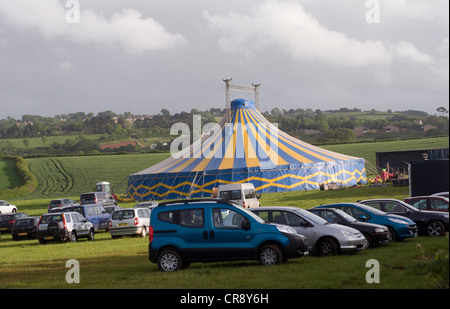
{"type": "Point", "coordinates": [310, 216]}
{"type": "Point", "coordinates": [24, 222]}
{"type": "Point", "coordinates": [123, 214]}
{"type": "Point", "coordinates": [51, 218]}
{"type": "Point", "coordinates": [87, 197]}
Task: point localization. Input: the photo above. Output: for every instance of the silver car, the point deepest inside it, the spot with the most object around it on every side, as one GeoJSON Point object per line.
{"type": "Point", "coordinates": [323, 238]}
{"type": "Point", "coordinates": [64, 226]}
{"type": "Point", "coordinates": [129, 221]}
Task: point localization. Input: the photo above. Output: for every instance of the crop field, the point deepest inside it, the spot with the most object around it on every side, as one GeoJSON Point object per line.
{"type": "Point", "coordinates": [70, 176]}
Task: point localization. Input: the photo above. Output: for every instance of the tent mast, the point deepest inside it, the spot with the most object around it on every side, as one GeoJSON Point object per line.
{"type": "Point", "coordinates": [253, 89]}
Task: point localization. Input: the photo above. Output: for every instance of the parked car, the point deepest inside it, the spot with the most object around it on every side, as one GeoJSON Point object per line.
{"type": "Point", "coordinates": [444, 194]}
{"type": "Point", "coordinates": [25, 228]}
{"type": "Point", "coordinates": [60, 203]}
{"type": "Point", "coordinates": [432, 223]}
{"type": "Point", "coordinates": [64, 226]}
{"type": "Point", "coordinates": [149, 204]}
{"type": "Point", "coordinates": [129, 221]}
{"type": "Point", "coordinates": [97, 198]}
{"type": "Point", "coordinates": [6, 208]}
{"type": "Point", "coordinates": [323, 238]}
{"type": "Point", "coordinates": [210, 230]}
{"type": "Point", "coordinates": [375, 234]}
{"type": "Point", "coordinates": [7, 221]}
{"type": "Point", "coordinates": [399, 227]}
{"type": "Point", "coordinates": [94, 213]}
{"type": "Point", "coordinates": [432, 202]}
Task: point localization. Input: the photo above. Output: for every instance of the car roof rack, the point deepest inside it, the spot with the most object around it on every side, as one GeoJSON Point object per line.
{"type": "Point", "coordinates": [187, 201]}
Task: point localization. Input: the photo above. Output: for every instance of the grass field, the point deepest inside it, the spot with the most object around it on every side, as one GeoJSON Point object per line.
{"type": "Point", "coordinates": [8, 175]}
{"type": "Point", "coordinates": [123, 263]}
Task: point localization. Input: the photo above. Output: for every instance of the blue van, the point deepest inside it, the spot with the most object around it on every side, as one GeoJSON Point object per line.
{"type": "Point", "coordinates": [94, 213]}
{"type": "Point", "coordinates": [210, 230]}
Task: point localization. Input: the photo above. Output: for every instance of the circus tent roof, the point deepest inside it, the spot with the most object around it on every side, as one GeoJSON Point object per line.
{"type": "Point", "coordinates": [245, 147]}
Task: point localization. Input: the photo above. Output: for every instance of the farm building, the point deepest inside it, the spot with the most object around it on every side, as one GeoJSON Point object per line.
{"type": "Point", "coordinates": [245, 147]}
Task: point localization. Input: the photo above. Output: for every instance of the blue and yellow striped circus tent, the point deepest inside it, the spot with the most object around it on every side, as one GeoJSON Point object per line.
{"type": "Point", "coordinates": [245, 147]}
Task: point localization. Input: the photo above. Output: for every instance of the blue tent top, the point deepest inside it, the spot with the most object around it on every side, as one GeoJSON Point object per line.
{"type": "Point", "coordinates": [245, 147]}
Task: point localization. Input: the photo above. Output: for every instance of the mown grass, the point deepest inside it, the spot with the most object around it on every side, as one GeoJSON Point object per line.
{"type": "Point", "coordinates": [123, 263]}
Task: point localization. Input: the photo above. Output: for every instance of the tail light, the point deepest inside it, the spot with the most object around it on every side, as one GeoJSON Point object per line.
{"type": "Point", "coordinates": [110, 223]}
{"type": "Point", "coordinates": [136, 221]}
{"type": "Point", "coordinates": [150, 233]}
{"type": "Point", "coordinates": [243, 204]}
{"type": "Point", "coordinates": [64, 222]}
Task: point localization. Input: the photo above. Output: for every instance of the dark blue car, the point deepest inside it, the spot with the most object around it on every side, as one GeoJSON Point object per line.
{"type": "Point", "coordinates": [399, 227]}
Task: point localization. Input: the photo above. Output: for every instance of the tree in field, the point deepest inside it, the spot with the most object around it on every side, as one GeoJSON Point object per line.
{"type": "Point", "coordinates": [442, 110]}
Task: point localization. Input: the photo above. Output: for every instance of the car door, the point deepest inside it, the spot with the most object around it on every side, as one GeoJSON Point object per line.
{"type": "Point", "coordinates": [192, 232]}
{"type": "Point", "coordinates": [230, 234]}
{"type": "Point", "coordinates": [80, 224]}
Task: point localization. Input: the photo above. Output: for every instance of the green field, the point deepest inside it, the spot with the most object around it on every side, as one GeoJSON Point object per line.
{"type": "Point", "coordinates": [8, 175]}
{"type": "Point", "coordinates": [123, 263]}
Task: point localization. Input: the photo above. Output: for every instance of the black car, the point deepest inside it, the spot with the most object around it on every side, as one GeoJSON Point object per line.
{"type": "Point", "coordinates": [432, 223]}
{"type": "Point", "coordinates": [375, 234]}
{"type": "Point", "coordinates": [25, 228]}
{"type": "Point", "coordinates": [7, 221]}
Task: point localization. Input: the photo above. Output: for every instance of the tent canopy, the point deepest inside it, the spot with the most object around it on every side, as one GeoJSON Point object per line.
{"type": "Point", "coordinates": [245, 147]}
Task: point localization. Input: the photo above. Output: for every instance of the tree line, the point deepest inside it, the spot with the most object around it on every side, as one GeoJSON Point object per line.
{"type": "Point", "coordinates": [333, 126]}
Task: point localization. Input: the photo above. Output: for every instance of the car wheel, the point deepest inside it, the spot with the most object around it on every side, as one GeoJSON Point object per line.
{"type": "Point", "coordinates": [368, 241]}
{"type": "Point", "coordinates": [143, 232]}
{"type": "Point", "coordinates": [169, 260]}
{"type": "Point", "coordinates": [392, 235]}
{"type": "Point", "coordinates": [435, 228]}
{"type": "Point", "coordinates": [327, 247]}
{"type": "Point", "coordinates": [270, 255]}
{"type": "Point", "coordinates": [91, 234]}
{"type": "Point", "coordinates": [73, 237]}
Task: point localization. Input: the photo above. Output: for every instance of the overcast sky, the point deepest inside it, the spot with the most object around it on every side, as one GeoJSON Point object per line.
{"type": "Point", "coordinates": [145, 55]}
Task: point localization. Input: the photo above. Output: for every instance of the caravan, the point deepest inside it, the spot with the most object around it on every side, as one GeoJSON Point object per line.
{"type": "Point", "coordinates": [243, 194]}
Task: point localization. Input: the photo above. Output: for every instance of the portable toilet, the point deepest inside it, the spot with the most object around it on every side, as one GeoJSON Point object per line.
{"type": "Point", "coordinates": [104, 186]}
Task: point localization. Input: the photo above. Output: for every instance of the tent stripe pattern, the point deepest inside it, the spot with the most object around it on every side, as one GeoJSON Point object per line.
{"type": "Point", "coordinates": [245, 147]}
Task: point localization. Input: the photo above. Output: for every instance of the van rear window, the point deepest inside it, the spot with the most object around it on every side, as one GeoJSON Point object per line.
{"type": "Point", "coordinates": [231, 195]}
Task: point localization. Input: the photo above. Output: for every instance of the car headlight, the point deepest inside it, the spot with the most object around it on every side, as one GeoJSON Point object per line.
{"type": "Point", "coordinates": [446, 216]}
{"type": "Point", "coordinates": [286, 229]}
{"type": "Point", "coordinates": [380, 230]}
{"type": "Point", "coordinates": [398, 221]}
{"type": "Point", "coordinates": [348, 234]}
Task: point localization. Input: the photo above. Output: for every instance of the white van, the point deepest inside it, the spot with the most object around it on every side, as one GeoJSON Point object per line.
{"type": "Point", "coordinates": [243, 194]}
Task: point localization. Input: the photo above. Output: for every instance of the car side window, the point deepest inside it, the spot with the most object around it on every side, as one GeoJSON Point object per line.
{"type": "Point", "coordinates": [438, 204]}
{"type": "Point", "coordinates": [394, 207]}
{"type": "Point", "coordinates": [374, 205]}
{"type": "Point", "coordinates": [227, 219]}
{"type": "Point", "coordinates": [192, 217]}
{"type": "Point", "coordinates": [420, 204]}
{"type": "Point", "coordinates": [68, 218]}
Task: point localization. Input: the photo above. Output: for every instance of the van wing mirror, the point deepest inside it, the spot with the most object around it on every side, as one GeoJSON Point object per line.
{"type": "Point", "coordinates": [245, 224]}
